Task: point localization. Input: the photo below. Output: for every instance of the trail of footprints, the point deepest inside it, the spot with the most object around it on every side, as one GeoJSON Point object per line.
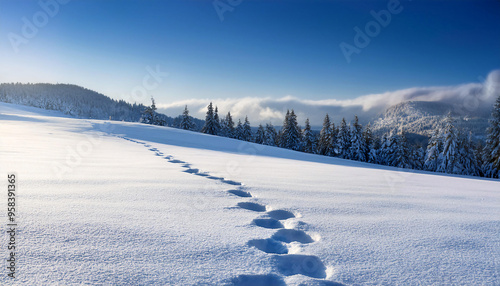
{"type": "Point", "coordinates": [277, 245]}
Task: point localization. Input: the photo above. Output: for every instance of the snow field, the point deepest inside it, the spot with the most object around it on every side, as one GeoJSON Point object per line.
{"type": "Point", "coordinates": [190, 209]}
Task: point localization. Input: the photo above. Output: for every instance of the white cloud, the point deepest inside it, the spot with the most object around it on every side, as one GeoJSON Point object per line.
{"type": "Point", "coordinates": [467, 98]}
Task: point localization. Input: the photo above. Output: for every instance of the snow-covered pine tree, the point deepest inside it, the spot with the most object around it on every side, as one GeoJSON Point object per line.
{"type": "Point", "coordinates": [149, 114]}
{"type": "Point", "coordinates": [371, 145]}
{"type": "Point", "coordinates": [450, 146]}
{"type": "Point", "coordinates": [434, 151]}
{"type": "Point", "coordinates": [291, 135]}
{"type": "Point", "coordinates": [238, 131]}
{"type": "Point", "coordinates": [260, 137]}
{"type": "Point", "coordinates": [402, 152]}
{"type": "Point", "coordinates": [282, 136]}
{"type": "Point", "coordinates": [479, 156]}
{"type": "Point", "coordinates": [334, 141]}
{"type": "Point", "coordinates": [210, 126]}
{"type": "Point", "coordinates": [227, 126]}
{"type": "Point", "coordinates": [492, 149]}
{"type": "Point", "coordinates": [217, 121]}
{"type": "Point", "coordinates": [418, 157]}
{"type": "Point", "coordinates": [247, 130]}
{"type": "Point", "coordinates": [308, 139]}
{"type": "Point", "coordinates": [186, 122]}
{"type": "Point", "coordinates": [344, 140]}
{"type": "Point", "coordinates": [382, 154]}
{"type": "Point", "coordinates": [466, 162]}
{"type": "Point", "coordinates": [358, 149]}
{"type": "Point", "coordinates": [279, 135]}
{"type": "Point", "coordinates": [325, 142]}
{"type": "Point", "coordinates": [391, 150]}
{"type": "Point", "coordinates": [270, 135]}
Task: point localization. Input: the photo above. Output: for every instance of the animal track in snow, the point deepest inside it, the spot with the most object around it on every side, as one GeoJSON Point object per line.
{"type": "Point", "coordinates": [280, 214]}
{"type": "Point", "coordinates": [257, 280]}
{"type": "Point", "coordinates": [286, 264]}
{"type": "Point", "coordinates": [192, 171]}
{"type": "Point", "coordinates": [307, 265]}
{"type": "Point", "coordinates": [215, 178]}
{"type": "Point", "coordinates": [269, 245]}
{"type": "Point", "coordinates": [240, 193]}
{"type": "Point", "coordinates": [289, 235]}
{"type": "Point", "coordinates": [267, 223]}
{"type": "Point", "coordinates": [252, 206]}
{"type": "Point", "coordinates": [230, 182]}
{"type": "Point", "coordinates": [202, 174]}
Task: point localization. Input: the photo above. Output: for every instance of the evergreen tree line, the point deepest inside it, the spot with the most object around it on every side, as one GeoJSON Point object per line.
{"type": "Point", "coordinates": [80, 102]}
{"type": "Point", "coordinates": [71, 100]}
{"type": "Point", "coordinates": [449, 150]}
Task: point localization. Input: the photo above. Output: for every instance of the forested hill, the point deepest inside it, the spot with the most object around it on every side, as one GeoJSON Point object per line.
{"type": "Point", "coordinates": [423, 117]}
{"type": "Point", "coordinates": [70, 99]}
{"type": "Point", "coordinates": [76, 101]}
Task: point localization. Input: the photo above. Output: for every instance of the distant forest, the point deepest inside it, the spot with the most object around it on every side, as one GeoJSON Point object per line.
{"type": "Point", "coordinates": [79, 102]}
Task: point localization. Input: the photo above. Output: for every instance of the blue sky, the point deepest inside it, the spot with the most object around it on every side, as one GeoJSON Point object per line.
{"type": "Point", "coordinates": [266, 49]}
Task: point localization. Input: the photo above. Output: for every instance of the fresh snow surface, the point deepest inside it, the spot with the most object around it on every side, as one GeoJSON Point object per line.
{"type": "Point", "coordinates": [116, 203]}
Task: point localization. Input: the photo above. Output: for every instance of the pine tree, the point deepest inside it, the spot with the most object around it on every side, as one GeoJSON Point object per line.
{"type": "Point", "coordinates": [282, 140]}
{"type": "Point", "coordinates": [238, 131]}
{"type": "Point", "coordinates": [308, 139]}
{"type": "Point", "coordinates": [260, 137]}
{"type": "Point", "coordinates": [434, 151]}
{"type": "Point", "coordinates": [217, 121]}
{"type": "Point", "coordinates": [358, 149]}
{"type": "Point", "coordinates": [270, 135]}
{"type": "Point", "coordinates": [325, 142]}
{"type": "Point", "coordinates": [210, 126]}
{"type": "Point", "coordinates": [450, 148]}
{"type": "Point", "coordinates": [492, 149]}
{"type": "Point", "coordinates": [402, 152]}
{"type": "Point", "coordinates": [186, 122]}
{"type": "Point", "coordinates": [149, 114]}
{"type": "Point", "coordinates": [466, 162]}
{"type": "Point", "coordinates": [247, 131]}
{"type": "Point", "coordinates": [391, 150]}
{"type": "Point", "coordinates": [479, 156]}
{"type": "Point", "coordinates": [344, 140]}
{"type": "Point", "coordinates": [371, 145]}
{"type": "Point", "coordinates": [418, 158]}
{"type": "Point", "coordinates": [383, 152]}
{"type": "Point", "coordinates": [334, 141]}
{"type": "Point", "coordinates": [291, 135]}
{"type": "Point", "coordinates": [227, 126]}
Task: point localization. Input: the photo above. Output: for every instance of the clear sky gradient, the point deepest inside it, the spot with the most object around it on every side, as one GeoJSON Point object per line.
{"type": "Point", "coordinates": [260, 49]}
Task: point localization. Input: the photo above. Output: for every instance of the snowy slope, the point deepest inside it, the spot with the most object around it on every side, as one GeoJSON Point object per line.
{"type": "Point", "coordinates": [124, 203]}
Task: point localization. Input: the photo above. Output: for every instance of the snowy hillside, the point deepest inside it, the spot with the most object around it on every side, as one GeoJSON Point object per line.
{"type": "Point", "coordinates": [422, 117]}
{"type": "Point", "coordinates": [118, 203]}
{"type": "Point", "coordinates": [78, 102]}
